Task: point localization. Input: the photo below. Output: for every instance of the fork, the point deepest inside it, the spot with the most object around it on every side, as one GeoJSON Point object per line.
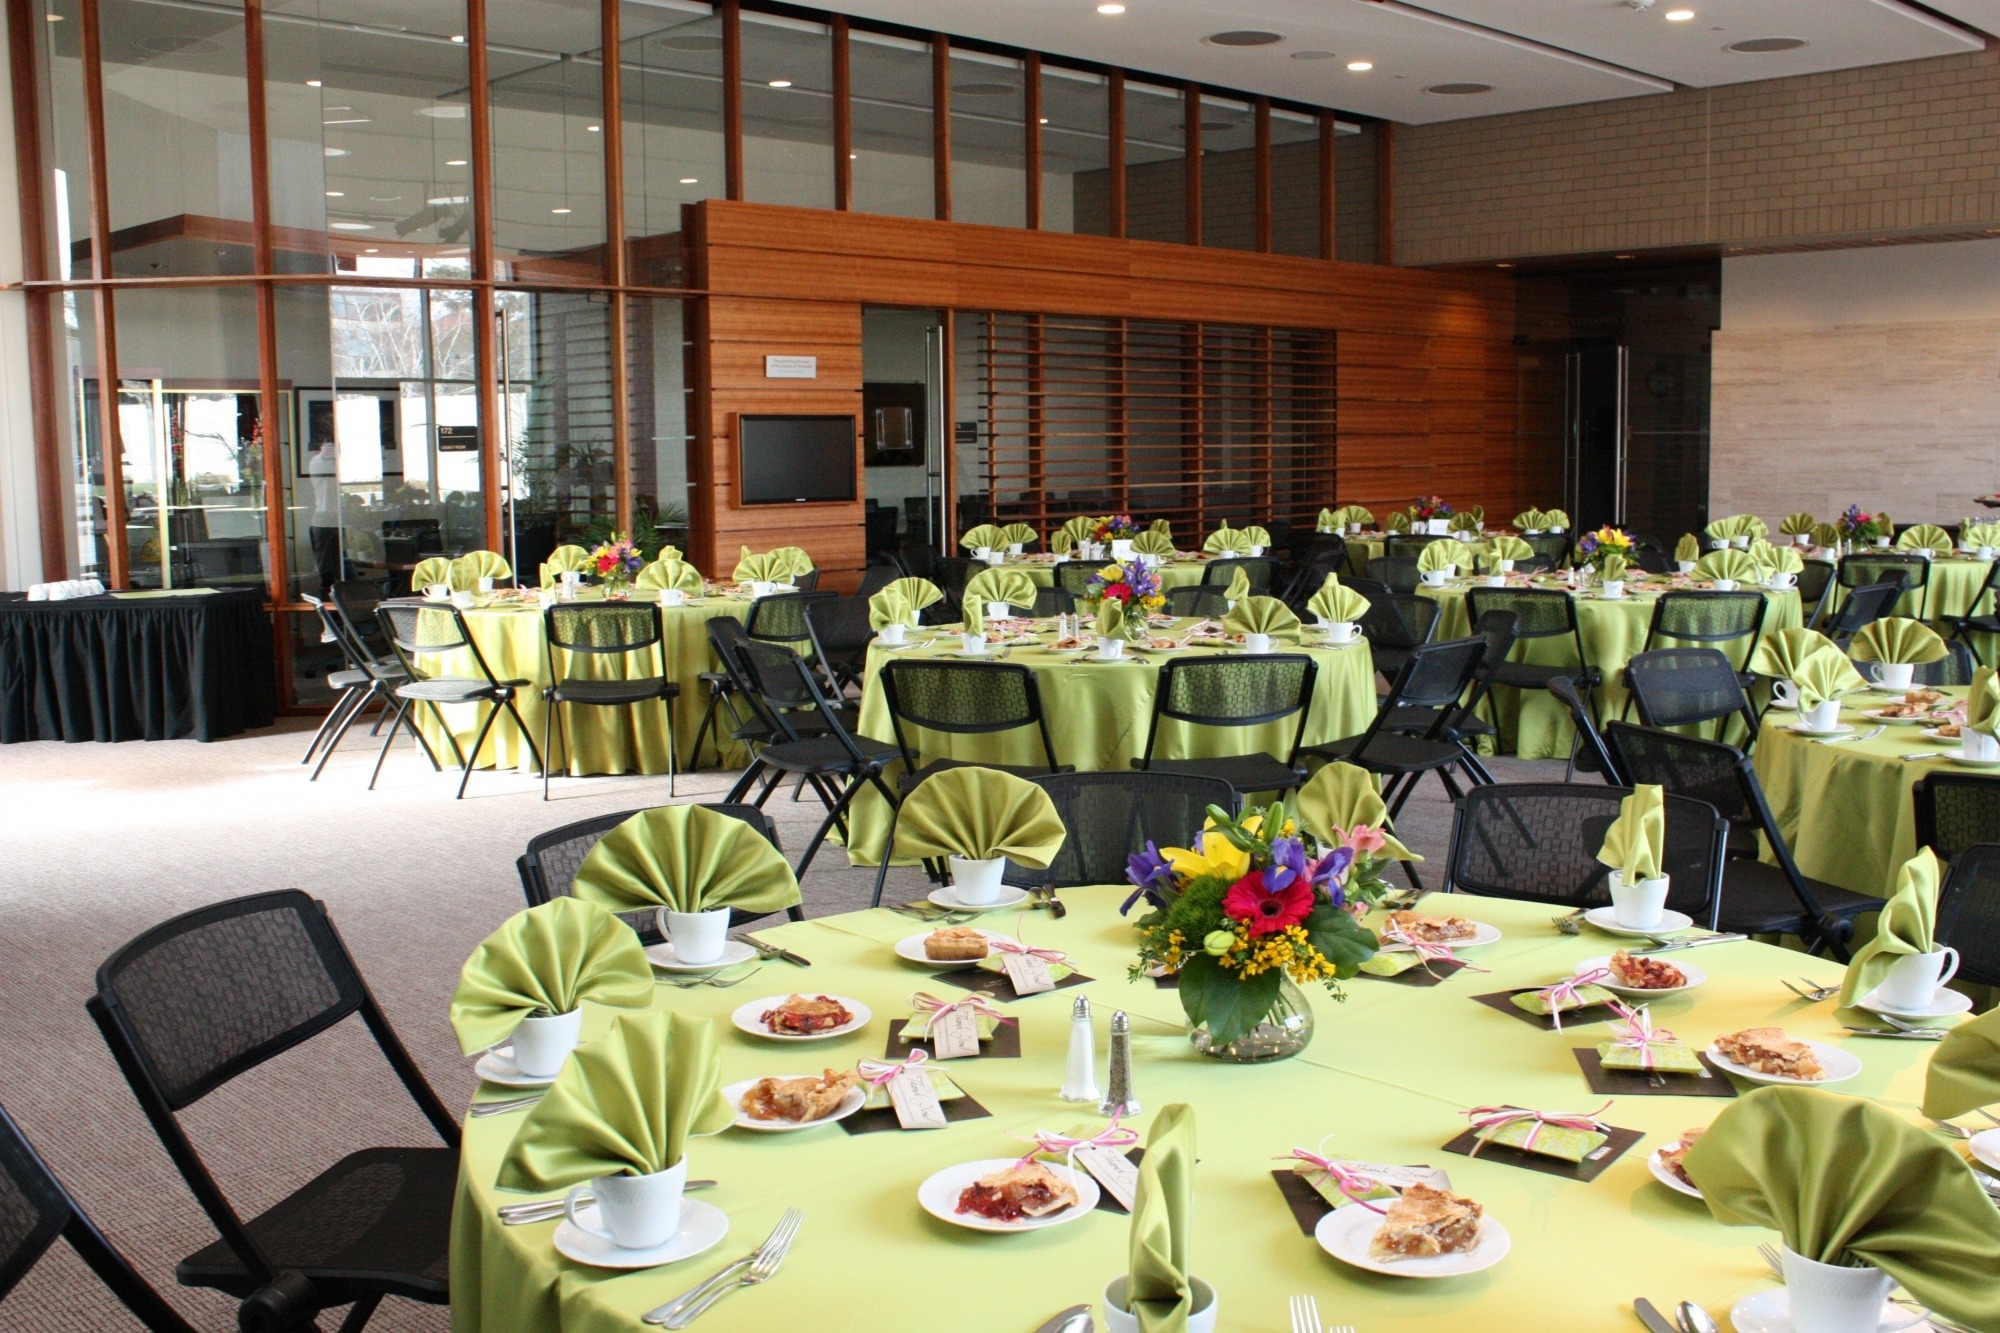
{"type": "Point", "coordinates": [1571, 924]}
{"type": "Point", "coordinates": [763, 1267]}
{"type": "Point", "coordinates": [1771, 1260]}
{"type": "Point", "coordinates": [718, 980]}
{"type": "Point", "coordinates": [484, 1109]}
{"type": "Point", "coordinates": [1857, 736]}
{"type": "Point", "coordinates": [1811, 994]}
{"type": "Point", "coordinates": [1305, 1315]}
{"type": "Point", "coordinates": [673, 1308]}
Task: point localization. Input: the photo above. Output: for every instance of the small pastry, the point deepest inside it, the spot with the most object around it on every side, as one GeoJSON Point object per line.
{"type": "Point", "coordinates": [956, 944]}
{"type": "Point", "coordinates": [1424, 1223]}
{"type": "Point", "coordinates": [1030, 1190]}
{"type": "Point", "coordinates": [1770, 1051]}
{"type": "Point", "coordinates": [1646, 973]}
{"type": "Point", "coordinates": [1674, 1159]}
{"type": "Point", "coordinates": [1431, 929]}
{"type": "Point", "coordinates": [799, 1015]}
{"type": "Point", "coordinates": [798, 1099]}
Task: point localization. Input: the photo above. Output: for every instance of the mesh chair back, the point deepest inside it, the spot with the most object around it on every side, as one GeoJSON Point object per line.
{"type": "Point", "coordinates": [781, 619]}
{"type": "Point", "coordinates": [1539, 842]}
{"type": "Point", "coordinates": [602, 627]}
{"type": "Point", "coordinates": [806, 582]}
{"type": "Point", "coordinates": [357, 600]}
{"type": "Point", "coordinates": [1236, 691]}
{"type": "Point", "coordinates": [1198, 599]}
{"type": "Point", "coordinates": [1053, 602]}
{"type": "Point", "coordinates": [839, 627]}
{"type": "Point", "coordinates": [1436, 674]}
{"type": "Point", "coordinates": [1956, 811]}
{"type": "Point", "coordinates": [1865, 567]}
{"type": "Point", "coordinates": [1686, 766]}
{"type": "Point", "coordinates": [1396, 619]}
{"type": "Point", "coordinates": [1550, 546]}
{"type": "Point", "coordinates": [1592, 756]}
{"type": "Point", "coordinates": [1815, 577]}
{"type": "Point", "coordinates": [548, 867]}
{"type": "Point", "coordinates": [961, 697]}
{"type": "Point", "coordinates": [1708, 617]}
{"type": "Point", "coordinates": [1110, 816]}
{"type": "Point", "coordinates": [1312, 573]}
{"type": "Point", "coordinates": [1261, 570]}
{"type": "Point", "coordinates": [1954, 668]}
{"type": "Point", "coordinates": [1968, 916]}
{"type": "Point", "coordinates": [1539, 613]}
{"type": "Point", "coordinates": [768, 673]}
{"type": "Point", "coordinates": [421, 630]}
{"type": "Point", "coordinates": [1408, 545]}
{"type": "Point", "coordinates": [1396, 572]}
{"type": "Point", "coordinates": [954, 572]}
{"type": "Point", "coordinates": [1074, 576]}
{"type": "Point", "coordinates": [1308, 547]}
{"type": "Point", "coordinates": [1675, 687]}
{"type": "Point", "coordinates": [1863, 607]}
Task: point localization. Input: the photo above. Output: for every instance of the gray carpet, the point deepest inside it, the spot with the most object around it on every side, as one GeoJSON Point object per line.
{"type": "Point", "coordinates": [104, 841]}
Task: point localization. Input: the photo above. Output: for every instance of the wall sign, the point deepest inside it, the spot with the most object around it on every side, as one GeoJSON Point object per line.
{"type": "Point", "coordinates": [458, 439]}
{"type": "Point", "coordinates": [791, 367]}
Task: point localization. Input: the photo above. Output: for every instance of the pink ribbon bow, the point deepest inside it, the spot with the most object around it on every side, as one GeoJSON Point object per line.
{"type": "Point", "coordinates": [937, 1009]}
{"type": "Point", "coordinates": [876, 1073]}
{"type": "Point", "coordinates": [1565, 990]}
{"type": "Point", "coordinates": [1637, 1033]}
{"type": "Point", "coordinates": [1113, 1136]}
{"type": "Point", "coordinates": [1000, 944]}
{"type": "Point", "coordinates": [1494, 1117]}
{"type": "Point", "coordinates": [1351, 1183]}
{"type": "Point", "coordinates": [1430, 951]}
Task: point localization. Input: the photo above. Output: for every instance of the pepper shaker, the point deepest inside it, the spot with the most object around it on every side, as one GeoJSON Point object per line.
{"type": "Point", "coordinates": [1118, 1096]}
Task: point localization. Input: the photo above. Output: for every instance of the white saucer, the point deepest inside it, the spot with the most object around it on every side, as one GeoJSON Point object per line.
{"type": "Point", "coordinates": [749, 1018]}
{"type": "Point", "coordinates": [1959, 758]}
{"type": "Point", "coordinates": [1780, 706]}
{"type": "Point", "coordinates": [702, 1228]}
{"type": "Point", "coordinates": [1931, 734]}
{"type": "Point", "coordinates": [939, 1196]}
{"type": "Point", "coordinates": [1877, 687]}
{"type": "Point", "coordinates": [1944, 1004]}
{"type": "Point", "coordinates": [1009, 897]}
{"type": "Point", "coordinates": [1986, 1147]}
{"type": "Point", "coordinates": [1695, 976]}
{"type": "Point", "coordinates": [733, 952]}
{"type": "Point", "coordinates": [856, 1098]}
{"type": "Point", "coordinates": [497, 1066]}
{"type": "Point", "coordinates": [1840, 1065]}
{"type": "Point", "coordinates": [911, 949]}
{"type": "Point", "coordinates": [1801, 729]}
{"type": "Point", "coordinates": [1344, 1233]}
{"type": "Point", "coordinates": [1771, 1312]}
{"type": "Point", "coordinates": [1875, 715]}
{"type": "Point", "coordinates": [1481, 934]}
{"type": "Point", "coordinates": [1668, 1178]}
{"type": "Point", "coordinates": [1670, 923]}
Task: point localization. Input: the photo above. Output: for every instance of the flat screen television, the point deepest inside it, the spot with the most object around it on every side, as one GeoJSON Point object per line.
{"type": "Point", "coordinates": [795, 459]}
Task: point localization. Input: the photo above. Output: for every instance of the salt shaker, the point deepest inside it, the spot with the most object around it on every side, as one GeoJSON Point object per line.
{"type": "Point", "coordinates": [1080, 1079]}
{"type": "Point", "coordinates": [1118, 1097]}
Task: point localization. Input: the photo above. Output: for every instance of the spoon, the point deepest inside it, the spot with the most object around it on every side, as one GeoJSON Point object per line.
{"type": "Point", "coordinates": [1694, 1319]}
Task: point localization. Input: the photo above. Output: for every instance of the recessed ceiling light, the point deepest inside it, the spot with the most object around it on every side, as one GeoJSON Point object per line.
{"type": "Point", "coordinates": [781, 83]}
{"type": "Point", "coordinates": [852, 156]}
{"type": "Point", "coordinates": [1459, 89]}
{"type": "Point", "coordinates": [448, 111]}
{"type": "Point", "coordinates": [1315, 55]}
{"type": "Point", "coordinates": [1503, 264]}
{"type": "Point", "coordinates": [352, 226]}
{"type": "Point", "coordinates": [458, 37]}
{"type": "Point", "coordinates": [558, 210]}
{"type": "Point", "coordinates": [1111, 9]}
{"type": "Point", "coordinates": [347, 120]}
{"type": "Point", "coordinates": [454, 161]}
{"type": "Point", "coordinates": [312, 83]}
{"type": "Point", "coordinates": [690, 180]}
{"type": "Point", "coordinates": [1760, 46]}
{"type": "Point", "coordinates": [1361, 66]}
{"type": "Point", "coordinates": [593, 128]}
{"type": "Point", "coordinates": [1678, 15]}
{"type": "Point", "coordinates": [1244, 37]}
{"type": "Point", "coordinates": [336, 194]}
{"type": "Point", "coordinates": [446, 199]}
{"type": "Point", "coordinates": [371, 250]}
{"type": "Point", "coordinates": [53, 18]}
{"type": "Point", "coordinates": [334, 152]}
{"type": "Point", "coordinates": [1623, 256]}
{"type": "Point", "coordinates": [1041, 120]}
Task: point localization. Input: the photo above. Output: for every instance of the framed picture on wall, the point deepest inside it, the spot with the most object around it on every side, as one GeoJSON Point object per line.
{"type": "Point", "coordinates": [892, 425]}
{"type": "Point", "coordinates": [343, 416]}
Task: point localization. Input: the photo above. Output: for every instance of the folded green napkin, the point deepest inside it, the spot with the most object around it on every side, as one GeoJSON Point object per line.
{"type": "Point", "coordinates": [670, 574]}
{"type": "Point", "coordinates": [1162, 526]}
{"type": "Point", "coordinates": [670, 553]}
{"type": "Point", "coordinates": [1688, 548]}
{"type": "Point", "coordinates": [1825, 534]}
{"type": "Point", "coordinates": [1794, 524]}
{"type": "Point", "coordinates": [1557, 520]}
{"type": "Point", "coordinates": [1465, 521]}
{"type": "Point", "coordinates": [1437, 556]}
{"type": "Point", "coordinates": [1845, 1181]}
{"type": "Point", "coordinates": [1557, 1141]}
{"type": "Point", "coordinates": [1392, 964]}
{"type": "Point", "coordinates": [972, 615]}
{"type": "Point", "coordinates": [1019, 534]}
{"type": "Point", "coordinates": [1897, 639]}
{"type": "Point", "coordinates": [1062, 543]}
{"type": "Point", "coordinates": [547, 960]}
{"type": "Point", "coordinates": [985, 535]}
{"type": "Point", "coordinates": [1397, 522]}
{"type": "Point", "coordinates": [915, 595]}
{"type": "Point", "coordinates": [1082, 528]}
{"type": "Point", "coordinates": [1611, 567]}
{"type": "Point", "coordinates": [1323, 1183]}
{"type": "Point", "coordinates": [1530, 520]}
{"type": "Point", "coordinates": [1261, 615]}
{"type": "Point", "coordinates": [1341, 798]}
{"type": "Point", "coordinates": [1925, 537]}
{"type": "Point", "coordinates": [1153, 543]}
{"type": "Point", "coordinates": [563, 560]}
{"type": "Point", "coordinates": [1578, 997]}
{"type": "Point", "coordinates": [1239, 586]}
{"type": "Point", "coordinates": [772, 566]}
{"type": "Point", "coordinates": [468, 569]}
{"type": "Point", "coordinates": [1227, 540]}
{"type": "Point", "coordinates": [1826, 674]}
{"type": "Point", "coordinates": [1349, 515]}
{"type": "Point", "coordinates": [980, 813]}
{"type": "Point", "coordinates": [1258, 536]}
{"type": "Point", "coordinates": [1335, 603]}
{"type": "Point", "coordinates": [431, 571]}
{"type": "Point", "coordinates": [1160, 1291]}
{"type": "Point", "coordinates": [1781, 651]}
{"type": "Point", "coordinates": [992, 963]}
{"type": "Point", "coordinates": [1777, 559]}
{"type": "Point", "coordinates": [1636, 841]}
{"type": "Point", "coordinates": [1982, 702]}
{"type": "Point", "coordinates": [1509, 547]}
{"type": "Point", "coordinates": [1110, 618]}
{"type": "Point", "coordinates": [1730, 564]}
{"type": "Point", "coordinates": [1001, 585]}
{"type": "Point", "coordinates": [624, 1105]}
{"type": "Point", "coordinates": [1739, 525]}
{"type": "Point", "coordinates": [1907, 925]}
{"type": "Point", "coordinates": [1965, 1069]}
{"type": "Point", "coordinates": [686, 859]}
{"type": "Point", "coordinates": [1328, 521]}
{"type": "Point", "coordinates": [891, 606]}
{"type": "Point", "coordinates": [1977, 535]}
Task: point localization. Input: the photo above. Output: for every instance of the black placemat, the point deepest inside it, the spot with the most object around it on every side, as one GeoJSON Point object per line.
{"type": "Point", "coordinates": [998, 984]}
{"type": "Point", "coordinates": [1613, 1148]}
{"type": "Point", "coordinates": [1006, 1045]}
{"type": "Point", "coordinates": [1711, 1082]}
{"type": "Point", "coordinates": [1305, 1202]}
{"type": "Point", "coordinates": [1421, 975]}
{"type": "Point", "coordinates": [1503, 1000]}
{"type": "Point", "coordinates": [884, 1117]}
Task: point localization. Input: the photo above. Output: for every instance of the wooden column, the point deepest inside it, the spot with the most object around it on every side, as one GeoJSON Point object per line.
{"type": "Point", "coordinates": [941, 121]}
{"type": "Point", "coordinates": [271, 422]}
{"type": "Point", "coordinates": [485, 336]}
{"type": "Point", "coordinates": [24, 31]}
{"type": "Point", "coordinates": [1191, 160]}
{"type": "Point", "coordinates": [111, 438]}
{"type": "Point", "coordinates": [1385, 192]}
{"type": "Point", "coordinates": [1031, 103]}
{"type": "Point", "coordinates": [843, 116]}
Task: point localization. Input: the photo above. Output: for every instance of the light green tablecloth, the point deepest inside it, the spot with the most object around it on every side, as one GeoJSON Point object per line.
{"type": "Point", "coordinates": [1845, 809]}
{"type": "Point", "coordinates": [1956, 582]}
{"type": "Point", "coordinates": [1535, 726]}
{"type": "Point", "coordinates": [1098, 713]}
{"type": "Point", "coordinates": [602, 740]}
{"type": "Point", "coordinates": [1388, 1077]}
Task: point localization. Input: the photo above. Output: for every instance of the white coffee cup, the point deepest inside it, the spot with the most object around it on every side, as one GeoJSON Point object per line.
{"type": "Point", "coordinates": [893, 632]}
{"type": "Point", "coordinates": [1506, 566]}
{"type": "Point", "coordinates": [1614, 588]}
{"type": "Point", "coordinates": [1726, 585]}
{"type": "Point", "coordinates": [1822, 716]}
{"type": "Point", "coordinates": [995, 559]}
{"type": "Point", "coordinates": [1987, 552]}
{"type": "Point", "coordinates": [1914, 979]}
{"type": "Point", "coordinates": [1014, 548]}
{"type": "Point", "coordinates": [1342, 631]}
{"type": "Point", "coordinates": [1353, 529]}
{"type": "Point", "coordinates": [1256, 643]}
{"type": "Point", "coordinates": [1531, 532]}
{"type": "Point", "coordinates": [1121, 548]}
{"type": "Point", "coordinates": [998, 611]}
{"type": "Point", "coordinates": [1120, 1319]}
{"type": "Point", "coordinates": [1496, 580]}
{"type": "Point", "coordinates": [438, 592]}
{"type": "Point", "coordinates": [638, 1212]}
{"type": "Point", "coordinates": [1781, 580]}
{"type": "Point", "coordinates": [1256, 551]}
{"type": "Point", "coordinates": [981, 552]}
{"type": "Point", "coordinates": [976, 883]}
{"type": "Point", "coordinates": [1440, 527]}
{"type": "Point", "coordinates": [1826, 1298]}
{"type": "Point", "coordinates": [464, 600]}
{"type": "Point", "coordinates": [673, 597]}
{"type": "Point", "coordinates": [1685, 566]}
{"type": "Point", "coordinates": [1639, 905]}
{"type": "Point", "coordinates": [1978, 746]}
{"type": "Point", "coordinates": [1802, 539]}
{"type": "Point", "coordinates": [1436, 578]}
{"type": "Point", "coordinates": [1785, 693]}
{"type": "Point", "coordinates": [542, 1044]}
{"type": "Point", "coordinates": [973, 645]}
{"type": "Point", "coordinates": [1718, 543]}
{"type": "Point", "coordinates": [763, 588]}
{"type": "Point", "coordinates": [1881, 541]}
{"type": "Point", "coordinates": [697, 937]}
{"type": "Point", "coordinates": [1110, 649]}
{"type": "Point", "coordinates": [1895, 675]}
{"type": "Point", "coordinates": [1740, 543]}
{"type": "Point", "coordinates": [486, 585]}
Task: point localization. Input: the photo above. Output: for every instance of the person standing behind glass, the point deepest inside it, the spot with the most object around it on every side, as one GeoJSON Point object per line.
{"type": "Point", "coordinates": [323, 471]}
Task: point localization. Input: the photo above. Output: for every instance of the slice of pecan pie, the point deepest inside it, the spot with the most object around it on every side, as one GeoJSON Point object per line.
{"type": "Point", "coordinates": [798, 1099]}
{"type": "Point", "coordinates": [1426, 1222]}
{"type": "Point", "coordinates": [1432, 929]}
{"type": "Point", "coordinates": [1770, 1051]}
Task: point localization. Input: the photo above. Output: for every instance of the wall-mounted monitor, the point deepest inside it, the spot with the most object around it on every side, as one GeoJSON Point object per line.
{"type": "Point", "coordinates": [795, 459]}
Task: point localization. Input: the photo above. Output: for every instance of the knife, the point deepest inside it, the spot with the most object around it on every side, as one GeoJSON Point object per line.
{"type": "Point", "coordinates": [1061, 1321]}
{"type": "Point", "coordinates": [773, 951]}
{"type": "Point", "coordinates": [1691, 944]}
{"type": "Point", "coordinates": [1654, 1321]}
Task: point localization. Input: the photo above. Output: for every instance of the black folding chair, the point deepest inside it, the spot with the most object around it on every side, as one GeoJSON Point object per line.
{"type": "Point", "coordinates": [1758, 898]}
{"type": "Point", "coordinates": [781, 619]}
{"type": "Point", "coordinates": [1409, 545]}
{"type": "Point", "coordinates": [1111, 816]}
{"type": "Point", "coordinates": [420, 631]}
{"type": "Point", "coordinates": [1968, 916]}
{"type": "Point", "coordinates": [1311, 576]}
{"type": "Point", "coordinates": [209, 995]}
{"type": "Point", "coordinates": [1396, 572]}
{"type": "Point", "coordinates": [1539, 614]}
{"type": "Point", "coordinates": [1052, 602]}
{"type": "Point", "coordinates": [1231, 692]}
{"type": "Point", "coordinates": [1461, 721]}
{"type": "Point", "coordinates": [361, 682]}
{"type": "Point", "coordinates": [724, 633]}
{"type": "Point", "coordinates": [1261, 570]}
{"type": "Point", "coordinates": [1550, 546]}
{"type": "Point", "coordinates": [1861, 608]}
{"type": "Point", "coordinates": [1954, 668]}
{"type": "Point", "coordinates": [1198, 599]}
{"type": "Point", "coordinates": [1538, 842]}
{"type": "Point", "coordinates": [1591, 754]}
{"type": "Point", "coordinates": [1863, 569]}
{"type": "Point", "coordinates": [1395, 624]}
{"type": "Point", "coordinates": [963, 699]}
{"type": "Point", "coordinates": [1955, 811]}
{"type": "Point", "coordinates": [602, 630]}
{"type": "Point", "coordinates": [1708, 620]}
{"type": "Point", "coordinates": [1073, 576]}
{"type": "Point", "coordinates": [1975, 621]}
{"type": "Point", "coordinates": [1679, 687]}
{"type": "Point", "coordinates": [1815, 578]}
{"type": "Point", "coordinates": [840, 635]}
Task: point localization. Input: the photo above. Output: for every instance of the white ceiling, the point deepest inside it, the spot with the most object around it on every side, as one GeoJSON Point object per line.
{"type": "Point", "coordinates": [1534, 53]}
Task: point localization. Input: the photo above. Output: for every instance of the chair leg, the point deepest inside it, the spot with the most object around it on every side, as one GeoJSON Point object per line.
{"type": "Point", "coordinates": [340, 706]}
{"type": "Point", "coordinates": [360, 1313]}
{"type": "Point", "coordinates": [743, 784]}
{"type": "Point", "coordinates": [826, 826]}
{"type": "Point", "coordinates": [707, 716]}
{"type": "Point", "coordinates": [666, 706]}
{"type": "Point", "coordinates": [457, 755]}
{"type": "Point", "coordinates": [526, 734]}
{"type": "Point", "coordinates": [340, 732]}
{"type": "Point", "coordinates": [882, 865]}
{"type": "Point", "coordinates": [548, 718]}
{"type": "Point", "coordinates": [402, 707]}
{"type": "Point", "coordinates": [477, 742]}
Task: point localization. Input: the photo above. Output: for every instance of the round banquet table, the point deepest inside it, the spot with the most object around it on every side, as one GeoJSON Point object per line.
{"type": "Point", "coordinates": [1098, 713]}
{"type": "Point", "coordinates": [513, 639]}
{"type": "Point", "coordinates": [1532, 723]}
{"type": "Point", "coordinates": [1364, 547]}
{"type": "Point", "coordinates": [1845, 809]}
{"type": "Point", "coordinates": [1388, 1078]}
{"type": "Point", "coordinates": [1180, 572]}
{"type": "Point", "coordinates": [1957, 581]}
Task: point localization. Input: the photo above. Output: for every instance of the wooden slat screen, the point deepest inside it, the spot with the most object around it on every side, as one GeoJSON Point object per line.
{"type": "Point", "coordinates": [1189, 422]}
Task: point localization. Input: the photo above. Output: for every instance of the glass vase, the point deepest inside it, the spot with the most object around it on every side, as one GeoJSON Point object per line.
{"type": "Point", "coordinates": [1282, 1033]}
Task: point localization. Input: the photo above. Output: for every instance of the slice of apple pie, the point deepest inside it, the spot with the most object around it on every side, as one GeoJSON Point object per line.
{"type": "Point", "coordinates": [1426, 1222]}
{"type": "Point", "coordinates": [1643, 973]}
{"type": "Point", "coordinates": [1674, 1159]}
{"type": "Point", "coordinates": [1022, 1190]}
{"type": "Point", "coordinates": [1432, 929]}
{"type": "Point", "coordinates": [1770, 1051]}
{"type": "Point", "coordinates": [798, 1099]}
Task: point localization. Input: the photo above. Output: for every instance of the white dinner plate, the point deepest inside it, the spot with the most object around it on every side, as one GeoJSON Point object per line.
{"type": "Point", "coordinates": [1931, 734]}
{"type": "Point", "coordinates": [1839, 1066]}
{"type": "Point", "coordinates": [939, 1196]}
{"type": "Point", "coordinates": [1876, 715]}
{"type": "Point", "coordinates": [1009, 897]}
{"type": "Point", "coordinates": [733, 952]}
{"type": "Point", "coordinates": [497, 1066]}
{"type": "Point", "coordinates": [1986, 1147]}
{"type": "Point", "coordinates": [1695, 976]}
{"type": "Point", "coordinates": [1344, 1233]}
{"type": "Point", "coordinates": [1481, 934]}
{"type": "Point", "coordinates": [1877, 687]}
{"type": "Point", "coordinates": [750, 1018]}
{"type": "Point", "coordinates": [911, 948]}
{"type": "Point", "coordinates": [1958, 757]}
{"type": "Point", "coordinates": [1605, 919]}
{"type": "Point", "coordinates": [702, 1228]}
{"type": "Point", "coordinates": [856, 1098]}
{"type": "Point", "coordinates": [1771, 1312]}
{"type": "Point", "coordinates": [1668, 1178]}
{"type": "Point", "coordinates": [1944, 1004]}
{"type": "Point", "coordinates": [1817, 733]}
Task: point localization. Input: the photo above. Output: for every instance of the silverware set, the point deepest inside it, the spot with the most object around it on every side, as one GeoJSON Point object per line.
{"type": "Point", "coordinates": [1305, 1318]}
{"type": "Point", "coordinates": [772, 950]}
{"type": "Point", "coordinates": [1855, 736]}
{"type": "Point", "coordinates": [1662, 944]}
{"type": "Point", "coordinates": [754, 1268]}
{"type": "Point", "coordinates": [715, 979]}
{"type": "Point", "coordinates": [1810, 993]}
{"type": "Point", "coordinates": [1571, 924]}
{"type": "Point", "coordinates": [1898, 1029]}
{"type": "Point", "coordinates": [925, 911]}
{"type": "Point", "coordinates": [480, 1110]}
{"type": "Point", "coordinates": [547, 1210]}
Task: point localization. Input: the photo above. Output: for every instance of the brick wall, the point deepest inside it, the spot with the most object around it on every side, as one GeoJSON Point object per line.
{"type": "Point", "coordinates": [1903, 149]}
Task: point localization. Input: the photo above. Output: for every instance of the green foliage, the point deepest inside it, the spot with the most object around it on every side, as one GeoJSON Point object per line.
{"type": "Point", "coordinates": [1345, 942]}
{"type": "Point", "coordinates": [1231, 1005]}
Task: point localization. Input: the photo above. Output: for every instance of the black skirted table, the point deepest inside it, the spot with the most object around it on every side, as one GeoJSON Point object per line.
{"type": "Point", "coordinates": [151, 668]}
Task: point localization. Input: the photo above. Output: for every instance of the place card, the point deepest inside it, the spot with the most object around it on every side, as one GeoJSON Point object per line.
{"type": "Point", "coordinates": [915, 1100]}
{"type": "Point", "coordinates": [1028, 973]}
{"type": "Point", "coordinates": [1308, 1205]}
{"type": "Point", "coordinates": [954, 1034]}
{"type": "Point", "coordinates": [1000, 985]}
{"type": "Point", "coordinates": [1117, 1172]}
{"type": "Point", "coordinates": [875, 1120]}
{"type": "Point", "coordinates": [1710, 1082]}
{"type": "Point", "coordinates": [1004, 1045]}
{"type": "Point", "coordinates": [1420, 975]}
{"type": "Point", "coordinates": [1582, 1016]}
{"type": "Point", "coordinates": [1616, 1143]}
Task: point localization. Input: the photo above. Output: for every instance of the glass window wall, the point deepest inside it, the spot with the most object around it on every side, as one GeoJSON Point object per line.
{"type": "Point", "coordinates": [1297, 195]}
{"type": "Point", "coordinates": [1228, 174]}
{"type": "Point", "coordinates": [787, 111]}
{"type": "Point", "coordinates": [989, 143]}
{"type": "Point", "coordinates": [894, 133]}
{"type": "Point", "coordinates": [1155, 163]}
{"type": "Point", "coordinates": [545, 77]}
{"type": "Point", "coordinates": [671, 80]}
{"type": "Point", "coordinates": [656, 408]}
{"type": "Point", "coordinates": [1076, 151]}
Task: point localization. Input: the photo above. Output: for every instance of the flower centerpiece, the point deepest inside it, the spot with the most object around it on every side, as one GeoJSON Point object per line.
{"type": "Point", "coordinates": [1856, 526]}
{"type": "Point", "coordinates": [1592, 547]}
{"type": "Point", "coordinates": [1427, 507]}
{"type": "Point", "coordinates": [1256, 909]}
{"type": "Point", "coordinates": [1117, 528]}
{"type": "Point", "coordinates": [616, 563]}
{"type": "Point", "coordinates": [1132, 584]}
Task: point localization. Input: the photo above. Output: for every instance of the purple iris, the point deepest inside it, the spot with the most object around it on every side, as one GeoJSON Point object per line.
{"type": "Point", "coordinates": [1331, 874]}
{"type": "Point", "coordinates": [1152, 873]}
{"type": "Point", "coordinates": [1288, 863]}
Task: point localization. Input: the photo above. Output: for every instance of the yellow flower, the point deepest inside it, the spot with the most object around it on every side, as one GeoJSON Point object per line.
{"type": "Point", "coordinates": [1218, 856]}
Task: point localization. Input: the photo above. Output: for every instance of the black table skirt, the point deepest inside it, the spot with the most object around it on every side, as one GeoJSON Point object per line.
{"type": "Point", "coordinates": [158, 668]}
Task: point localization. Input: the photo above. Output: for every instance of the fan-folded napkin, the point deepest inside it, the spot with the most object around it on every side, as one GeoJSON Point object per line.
{"type": "Point", "coordinates": [1153, 543]}
{"type": "Point", "coordinates": [1730, 564]}
{"type": "Point", "coordinates": [1397, 522]}
{"type": "Point", "coordinates": [1965, 1069]}
{"type": "Point", "coordinates": [1824, 675]}
{"type": "Point", "coordinates": [1239, 585]}
{"type": "Point", "coordinates": [670, 574]}
{"type": "Point", "coordinates": [986, 536]}
{"type": "Point", "coordinates": [1227, 539]}
{"type": "Point", "coordinates": [468, 569]}
{"type": "Point", "coordinates": [1437, 556]}
{"type": "Point", "coordinates": [1261, 615]}
{"type": "Point", "coordinates": [1794, 524]}
{"type": "Point", "coordinates": [547, 960]}
{"type": "Point", "coordinates": [1897, 639]}
{"type": "Point", "coordinates": [1335, 602]}
{"type": "Point", "coordinates": [1982, 702]}
{"type": "Point", "coordinates": [686, 859]}
{"type": "Point", "coordinates": [980, 813]}
{"type": "Point", "coordinates": [431, 571]}
{"type": "Point", "coordinates": [562, 560]}
{"type": "Point", "coordinates": [1000, 585]}
{"type": "Point", "coordinates": [1924, 537]}
{"type": "Point", "coordinates": [1636, 842]}
{"type": "Point", "coordinates": [1907, 926]}
{"type": "Point", "coordinates": [1688, 548]}
{"type": "Point", "coordinates": [1781, 652]}
{"type": "Point", "coordinates": [1342, 798]}
{"type": "Point", "coordinates": [1019, 534]}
